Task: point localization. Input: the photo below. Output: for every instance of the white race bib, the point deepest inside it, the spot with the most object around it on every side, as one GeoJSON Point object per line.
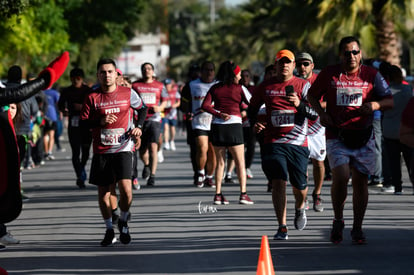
{"type": "Point", "coordinates": [203, 119]}
{"type": "Point", "coordinates": [283, 118]}
{"type": "Point", "coordinates": [349, 97]}
{"type": "Point", "coordinates": [112, 136]}
{"type": "Point", "coordinates": [149, 98]}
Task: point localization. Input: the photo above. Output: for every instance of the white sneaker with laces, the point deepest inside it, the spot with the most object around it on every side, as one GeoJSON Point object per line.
{"type": "Point", "coordinates": [388, 189]}
{"type": "Point", "coordinates": [8, 239]}
{"type": "Point", "coordinates": [166, 146]}
{"type": "Point", "coordinates": [249, 173]}
{"type": "Point", "coordinates": [172, 145]}
{"type": "Point", "coordinates": [160, 156]}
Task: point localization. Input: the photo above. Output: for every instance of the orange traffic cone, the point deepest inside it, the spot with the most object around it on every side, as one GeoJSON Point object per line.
{"type": "Point", "coordinates": [265, 263]}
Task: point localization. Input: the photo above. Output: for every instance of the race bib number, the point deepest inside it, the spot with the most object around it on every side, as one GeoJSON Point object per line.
{"type": "Point", "coordinates": [349, 97]}
{"type": "Point", "coordinates": [203, 119]}
{"type": "Point", "coordinates": [112, 136]}
{"type": "Point", "coordinates": [149, 98]}
{"type": "Point", "coordinates": [74, 121]}
{"type": "Point", "coordinates": [283, 118]}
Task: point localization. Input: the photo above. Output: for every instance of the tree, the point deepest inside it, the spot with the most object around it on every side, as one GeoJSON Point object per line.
{"type": "Point", "coordinates": [8, 8]}
{"type": "Point", "coordinates": [34, 37]}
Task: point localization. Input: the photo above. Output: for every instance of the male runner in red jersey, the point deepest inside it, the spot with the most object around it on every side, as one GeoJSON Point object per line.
{"type": "Point", "coordinates": [108, 110]}
{"type": "Point", "coordinates": [155, 97]}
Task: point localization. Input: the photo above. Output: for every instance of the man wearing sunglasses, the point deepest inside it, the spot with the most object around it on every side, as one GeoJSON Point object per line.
{"type": "Point", "coordinates": [352, 92]}
{"type": "Point", "coordinates": [316, 132]}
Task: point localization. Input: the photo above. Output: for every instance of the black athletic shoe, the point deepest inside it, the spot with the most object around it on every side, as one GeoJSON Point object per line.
{"type": "Point", "coordinates": [151, 180]}
{"type": "Point", "coordinates": [146, 172]}
{"type": "Point", "coordinates": [80, 183]}
{"type": "Point", "coordinates": [124, 232]}
{"type": "Point", "coordinates": [336, 232]}
{"type": "Point", "coordinates": [358, 237]}
{"type": "Point", "coordinates": [109, 238]}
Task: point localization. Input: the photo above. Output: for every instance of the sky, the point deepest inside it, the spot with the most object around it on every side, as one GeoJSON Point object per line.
{"type": "Point", "coordinates": [235, 2]}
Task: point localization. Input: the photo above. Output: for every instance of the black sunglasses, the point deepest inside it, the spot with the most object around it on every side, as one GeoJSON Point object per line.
{"type": "Point", "coordinates": [354, 52]}
{"type": "Point", "coordinates": [306, 63]}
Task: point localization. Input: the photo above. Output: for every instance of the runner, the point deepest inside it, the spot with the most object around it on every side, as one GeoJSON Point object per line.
{"type": "Point", "coordinates": [352, 92]}
{"type": "Point", "coordinates": [285, 151]}
{"type": "Point", "coordinates": [108, 111]}
{"type": "Point", "coordinates": [155, 96]}
{"type": "Point", "coordinates": [227, 130]}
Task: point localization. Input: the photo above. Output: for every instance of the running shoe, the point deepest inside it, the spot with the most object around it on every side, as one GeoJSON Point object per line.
{"type": "Point", "coordinates": [317, 202]}
{"type": "Point", "coordinates": [336, 232]}
{"type": "Point", "coordinates": [146, 172]}
{"type": "Point", "coordinates": [50, 156]}
{"type": "Point", "coordinates": [109, 238]}
{"type": "Point", "coordinates": [374, 183]}
{"type": "Point", "coordinates": [124, 236]}
{"type": "Point", "coordinates": [208, 182]}
{"type": "Point", "coordinates": [220, 199]}
{"type": "Point", "coordinates": [244, 199]}
{"type": "Point", "coordinates": [358, 237]}
{"type": "Point", "coordinates": [200, 180]}
{"type": "Point", "coordinates": [135, 184]}
{"type": "Point", "coordinates": [300, 219]}
{"type": "Point", "coordinates": [388, 189]}
{"type": "Point", "coordinates": [228, 179]}
{"type": "Point", "coordinates": [249, 173]}
{"type": "Point", "coordinates": [167, 146]}
{"type": "Point", "coordinates": [80, 183]}
{"type": "Point", "coordinates": [160, 156]}
{"type": "Point", "coordinates": [151, 180]}
{"type": "Point", "coordinates": [282, 233]}
{"type": "Point", "coordinates": [172, 145]}
{"type": "Point", "coordinates": [327, 177]}
{"type": "Point", "coordinates": [9, 239]}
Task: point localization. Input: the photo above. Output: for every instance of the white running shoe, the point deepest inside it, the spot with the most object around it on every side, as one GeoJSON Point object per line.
{"type": "Point", "coordinates": [160, 156]}
{"type": "Point", "coordinates": [249, 173]}
{"type": "Point", "coordinates": [172, 145]}
{"type": "Point", "coordinates": [166, 146]}
{"type": "Point", "coordinates": [8, 239]}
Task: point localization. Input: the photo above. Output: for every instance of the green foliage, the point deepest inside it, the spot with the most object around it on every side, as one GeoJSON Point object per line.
{"type": "Point", "coordinates": [33, 32]}
{"type": "Point", "coordinates": [8, 8]}
{"type": "Point", "coordinates": [34, 37]}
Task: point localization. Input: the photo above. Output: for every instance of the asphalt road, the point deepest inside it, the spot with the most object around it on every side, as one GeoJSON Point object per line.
{"type": "Point", "coordinates": [176, 230]}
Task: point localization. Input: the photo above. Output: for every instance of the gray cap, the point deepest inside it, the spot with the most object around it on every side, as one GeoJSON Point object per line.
{"type": "Point", "coordinates": [306, 56]}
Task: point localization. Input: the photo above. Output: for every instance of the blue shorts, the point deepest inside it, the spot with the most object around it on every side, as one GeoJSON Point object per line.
{"type": "Point", "coordinates": [282, 161]}
{"type": "Point", "coordinates": [171, 122]}
{"type": "Point", "coordinates": [362, 159]}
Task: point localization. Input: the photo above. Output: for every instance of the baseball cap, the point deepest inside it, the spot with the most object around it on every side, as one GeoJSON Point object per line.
{"type": "Point", "coordinates": [306, 56]}
{"type": "Point", "coordinates": [119, 71]}
{"type": "Point", "coordinates": [285, 53]}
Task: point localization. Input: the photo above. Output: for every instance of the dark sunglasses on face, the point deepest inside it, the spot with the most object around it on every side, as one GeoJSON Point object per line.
{"type": "Point", "coordinates": [353, 52]}
{"type": "Point", "coordinates": [306, 63]}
